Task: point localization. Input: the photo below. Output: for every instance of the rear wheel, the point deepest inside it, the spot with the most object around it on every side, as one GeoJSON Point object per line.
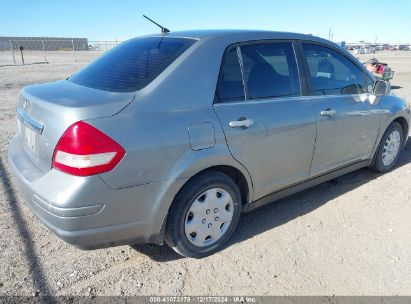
{"type": "Point", "coordinates": [389, 148]}
{"type": "Point", "coordinates": [203, 215]}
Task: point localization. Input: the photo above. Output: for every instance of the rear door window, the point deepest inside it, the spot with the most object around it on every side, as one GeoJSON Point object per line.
{"type": "Point", "coordinates": [132, 65]}
{"type": "Point", "coordinates": [230, 86]}
{"type": "Point", "coordinates": [270, 70]}
{"type": "Point", "coordinates": [332, 73]}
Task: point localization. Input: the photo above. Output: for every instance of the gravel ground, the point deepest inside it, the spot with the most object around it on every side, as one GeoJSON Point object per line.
{"type": "Point", "coordinates": [346, 237]}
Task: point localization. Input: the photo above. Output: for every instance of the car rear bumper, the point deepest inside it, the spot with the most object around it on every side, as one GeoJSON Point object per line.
{"type": "Point", "coordinates": [87, 213]}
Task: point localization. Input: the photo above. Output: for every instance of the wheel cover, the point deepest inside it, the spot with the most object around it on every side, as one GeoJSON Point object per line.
{"type": "Point", "coordinates": [209, 217]}
{"type": "Point", "coordinates": [391, 148]}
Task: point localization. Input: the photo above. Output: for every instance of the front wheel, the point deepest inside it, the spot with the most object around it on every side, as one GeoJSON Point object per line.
{"type": "Point", "coordinates": [203, 215]}
{"type": "Point", "coordinates": [389, 148]}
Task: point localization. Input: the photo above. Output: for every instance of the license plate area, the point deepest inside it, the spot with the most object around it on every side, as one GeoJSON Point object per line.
{"type": "Point", "coordinates": [28, 136]}
{"type": "Point", "coordinates": [30, 139]}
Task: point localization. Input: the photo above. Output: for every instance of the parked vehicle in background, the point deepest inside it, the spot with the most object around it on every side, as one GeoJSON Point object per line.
{"type": "Point", "coordinates": [358, 51]}
{"type": "Point", "coordinates": [171, 137]}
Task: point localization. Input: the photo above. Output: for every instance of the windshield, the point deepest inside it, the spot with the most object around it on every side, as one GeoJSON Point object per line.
{"type": "Point", "coordinates": [132, 65]}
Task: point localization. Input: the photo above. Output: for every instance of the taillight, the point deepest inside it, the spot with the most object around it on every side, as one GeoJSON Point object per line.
{"type": "Point", "coordinates": [84, 150]}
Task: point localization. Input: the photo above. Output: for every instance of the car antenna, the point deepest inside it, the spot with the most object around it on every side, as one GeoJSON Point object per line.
{"type": "Point", "coordinates": [164, 30]}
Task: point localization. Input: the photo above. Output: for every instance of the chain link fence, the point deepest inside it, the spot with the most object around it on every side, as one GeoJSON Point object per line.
{"type": "Point", "coordinates": [20, 51]}
{"type": "Point", "coordinates": [36, 51]}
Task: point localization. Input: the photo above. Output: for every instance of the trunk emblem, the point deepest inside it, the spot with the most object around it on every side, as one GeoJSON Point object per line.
{"type": "Point", "coordinates": [26, 104]}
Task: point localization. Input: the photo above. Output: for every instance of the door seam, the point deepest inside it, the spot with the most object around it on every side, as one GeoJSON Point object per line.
{"type": "Point", "coordinates": [316, 134]}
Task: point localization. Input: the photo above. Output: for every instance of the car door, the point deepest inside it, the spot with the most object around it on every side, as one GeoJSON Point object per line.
{"type": "Point", "coordinates": [269, 125]}
{"type": "Point", "coordinates": [348, 123]}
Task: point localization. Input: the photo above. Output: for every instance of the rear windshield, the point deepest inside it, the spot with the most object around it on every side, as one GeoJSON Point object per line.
{"type": "Point", "coordinates": [132, 65]}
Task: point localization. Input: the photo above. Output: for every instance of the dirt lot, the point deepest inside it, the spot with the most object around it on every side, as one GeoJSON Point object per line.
{"type": "Point", "coordinates": [347, 237]}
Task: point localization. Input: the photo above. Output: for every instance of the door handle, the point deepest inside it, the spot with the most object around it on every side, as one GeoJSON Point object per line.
{"type": "Point", "coordinates": [241, 123]}
{"type": "Point", "coordinates": [328, 112]}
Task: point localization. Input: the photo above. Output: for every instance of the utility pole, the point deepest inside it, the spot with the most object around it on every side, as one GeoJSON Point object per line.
{"type": "Point", "coordinates": [74, 50]}
{"type": "Point", "coordinates": [12, 52]}
{"type": "Point", "coordinates": [21, 48]}
{"type": "Point", "coordinates": [44, 51]}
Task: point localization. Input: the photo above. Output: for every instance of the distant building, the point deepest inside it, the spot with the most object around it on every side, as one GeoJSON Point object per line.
{"type": "Point", "coordinates": [44, 43]}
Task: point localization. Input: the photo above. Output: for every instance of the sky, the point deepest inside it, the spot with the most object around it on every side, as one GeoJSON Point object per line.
{"type": "Point", "coordinates": [349, 20]}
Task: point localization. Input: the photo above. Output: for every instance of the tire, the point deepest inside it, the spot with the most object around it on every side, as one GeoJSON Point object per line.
{"type": "Point", "coordinates": [383, 160]}
{"type": "Point", "coordinates": [196, 208]}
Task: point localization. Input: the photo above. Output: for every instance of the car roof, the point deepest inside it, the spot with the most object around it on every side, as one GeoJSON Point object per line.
{"type": "Point", "coordinates": [241, 34]}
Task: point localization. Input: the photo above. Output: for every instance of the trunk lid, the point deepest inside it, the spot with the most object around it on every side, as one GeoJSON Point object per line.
{"type": "Point", "coordinates": [45, 111]}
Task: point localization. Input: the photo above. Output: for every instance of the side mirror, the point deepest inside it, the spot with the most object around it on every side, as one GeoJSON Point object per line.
{"type": "Point", "coordinates": [380, 88]}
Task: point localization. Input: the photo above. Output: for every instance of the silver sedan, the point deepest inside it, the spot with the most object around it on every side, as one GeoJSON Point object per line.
{"type": "Point", "coordinates": [171, 137]}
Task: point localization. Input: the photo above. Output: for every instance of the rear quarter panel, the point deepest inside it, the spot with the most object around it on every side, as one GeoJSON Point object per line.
{"type": "Point", "coordinates": [158, 147]}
